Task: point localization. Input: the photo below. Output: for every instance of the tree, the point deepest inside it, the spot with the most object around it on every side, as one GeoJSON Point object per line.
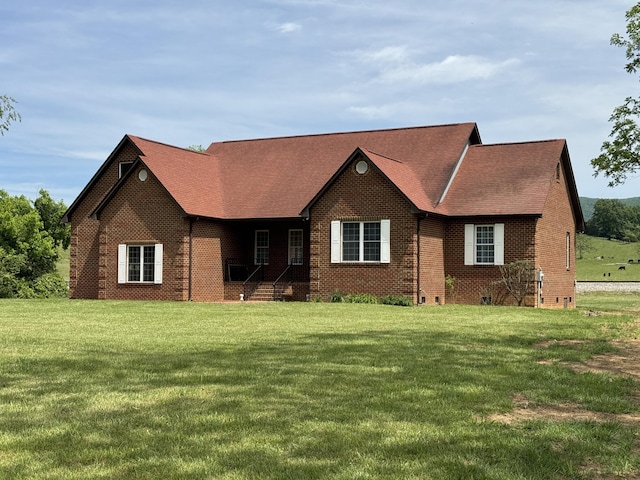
{"type": "Point", "coordinates": [584, 243]}
{"type": "Point", "coordinates": [517, 278]}
{"type": "Point", "coordinates": [50, 213]}
{"type": "Point", "coordinates": [620, 157]}
{"type": "Point", "coordinates": [609, 220]}
{"type": "Point", "coordinates": [28, 252]}
{"type": "Point", "coordinates": [8, 114]}
{"type": "Point", "coordinates": [196, 148]}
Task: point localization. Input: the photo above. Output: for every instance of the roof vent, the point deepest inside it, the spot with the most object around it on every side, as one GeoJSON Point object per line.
{"type": "Point", "coordinates": [362, 167]}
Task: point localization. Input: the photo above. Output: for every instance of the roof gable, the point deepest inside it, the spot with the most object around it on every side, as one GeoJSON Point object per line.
{"type": "Point", "coordinates": [66, 218]}
{"type": "Point", "coordinates": [397, 173]}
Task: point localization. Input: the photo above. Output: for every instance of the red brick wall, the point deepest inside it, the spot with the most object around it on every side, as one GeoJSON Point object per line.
{"type": "Point", "coordinates": [85, 240]}
{"type": "Point", "coordinates": [207, 269]}
{"type": "Point", "coordinates": [355, 197]}
{"type": "Point", "coordinates": [432, 286]}
{"type": "Point", "coordinates": [472, 281]}
{"type": "Point", "coordinates": [551, 233]}
{"type": "Point", "coordinates": [143, 213]}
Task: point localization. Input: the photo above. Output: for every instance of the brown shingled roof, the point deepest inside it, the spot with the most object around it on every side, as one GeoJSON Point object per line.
{"type": "Point", "coordinates": [191, 178]}
{"type": "Point", "coordinates": [278, 178]}
{"type": "Point", "coordinates": [503, 179]}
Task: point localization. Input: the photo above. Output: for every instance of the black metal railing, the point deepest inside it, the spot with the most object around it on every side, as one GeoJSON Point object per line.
{"type": "Point", "coordinates": [295, 272]}
{"type": "Point", "coordinates": [253, 281]}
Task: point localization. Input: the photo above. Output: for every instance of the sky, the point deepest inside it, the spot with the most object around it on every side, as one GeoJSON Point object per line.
{"type": "Point", "coordinates": [191, 72]}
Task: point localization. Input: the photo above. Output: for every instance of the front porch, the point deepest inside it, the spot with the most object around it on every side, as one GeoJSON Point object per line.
{"type": "Point", "coordinates": [291, 285]}
{"type": "Point", "coordinates": [272, 263]}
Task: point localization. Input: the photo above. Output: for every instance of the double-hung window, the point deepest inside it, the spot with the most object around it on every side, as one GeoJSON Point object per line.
{"type": "Point", "coordinates": [295, 247]}
{"type": "Point", "coordinates": [360, 241]}
{"type": "Point", "coordinates": [262, 247]}
{"type": "Point", "coordinates": [484, 244]}
{"type": "Point", "coordinates": [140, 263]}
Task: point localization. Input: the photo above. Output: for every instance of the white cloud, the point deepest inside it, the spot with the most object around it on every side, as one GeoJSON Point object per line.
{"type": "Point", "coordinates": [396, 65]}
{"type": "Point", "coordinates": [289, 27]}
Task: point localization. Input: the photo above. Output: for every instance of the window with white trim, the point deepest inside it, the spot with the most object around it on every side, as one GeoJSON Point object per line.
{"type": "Point", "coordinates": [261, 254]}
{"type": "Point", "coordinates": [484, 244]}
{"type": "Point", "coordinates": [362, 242]}
{"type": "Point", "coordinates": [568, 251]}
{"type": "Point", "coordinates": [295, 247]}
{"type": "Point", "coordinates": [140, 263]}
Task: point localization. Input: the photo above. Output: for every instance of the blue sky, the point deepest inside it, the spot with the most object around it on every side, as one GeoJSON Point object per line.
{"type": "Point", "coordinates": [189, 72]}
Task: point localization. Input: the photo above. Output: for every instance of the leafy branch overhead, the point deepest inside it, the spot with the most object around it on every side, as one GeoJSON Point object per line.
{"type": "Point", "coordinates": [620, 156]}
{"type": "Point", "coordinates": [8, 114]}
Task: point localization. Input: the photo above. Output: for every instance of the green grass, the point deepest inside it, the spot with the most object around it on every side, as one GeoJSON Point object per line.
{"type": "Point", "coordinates": [62, 265]}
{"type": "Point", "coordinates": [123, 390]}
{"type": "Point", "coordinates": [602, 263]}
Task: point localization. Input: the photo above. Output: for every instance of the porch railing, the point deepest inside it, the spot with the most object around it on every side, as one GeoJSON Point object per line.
{"type": "Point", "coordinates": [253, 281]}
{"type": "Point", "coordinates": [294, 272]}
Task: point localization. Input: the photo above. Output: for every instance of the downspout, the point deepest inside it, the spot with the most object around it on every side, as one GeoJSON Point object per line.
{"type": "Point", "coordinates": [418, 262]}
{"type": "Point", "coordinates": [189, 291]}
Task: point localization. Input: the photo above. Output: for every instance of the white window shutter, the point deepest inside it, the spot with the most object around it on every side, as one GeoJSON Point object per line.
{"type": "Point", "coordinates": [157, 271]}
{"type": "Point", "coordinates": [469, 243]}
{"type": "Point", "coordinates": [335, 241]}
{"type": "Point", "coordinates": [498, 242]}
{"type": "Point", "coordinates": [122, 263]}
{"type": "Point", "coordinates": [385, 241]}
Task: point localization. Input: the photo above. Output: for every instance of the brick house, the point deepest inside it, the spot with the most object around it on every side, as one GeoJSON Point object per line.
{"type": "Point", "coordinates": [383, 212]}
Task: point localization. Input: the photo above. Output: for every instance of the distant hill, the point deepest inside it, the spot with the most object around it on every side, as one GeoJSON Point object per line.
{"type": "Point", "coordinates": [587, 204]}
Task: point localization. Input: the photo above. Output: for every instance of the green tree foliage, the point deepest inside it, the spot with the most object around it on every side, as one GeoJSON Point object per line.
{"type": "Point", "coordinates": [28, 251]}
{"type": "Point", "coordinates": [620, 157]}
{"type": "Point", "coordinates": [608, 219]}
{"type": "Point", "coordinates": [50, 213]}
{"type": "Point", "coordinates": [8, 114]}
{"type": "Point", "coordinates": [584, 244]}
{"type": "Point", "coordinates": [613, 219]}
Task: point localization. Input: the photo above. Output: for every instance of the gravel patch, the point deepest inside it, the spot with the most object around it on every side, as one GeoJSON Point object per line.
{"type": "Point", "coordinates": [582, 287]}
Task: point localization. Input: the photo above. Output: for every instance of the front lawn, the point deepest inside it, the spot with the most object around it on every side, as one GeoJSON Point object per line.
{"type": "Point", "coordinates": [125, 390]}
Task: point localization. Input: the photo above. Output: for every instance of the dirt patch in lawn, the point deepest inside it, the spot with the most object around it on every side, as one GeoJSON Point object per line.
{"type": "Point", "coordinates": [564, 412]}
{"type": "Point", "coordinates": [624, 362]}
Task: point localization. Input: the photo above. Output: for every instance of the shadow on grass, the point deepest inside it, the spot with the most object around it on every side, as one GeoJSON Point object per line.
{"type": "Point", "coordinates": [368, 405]}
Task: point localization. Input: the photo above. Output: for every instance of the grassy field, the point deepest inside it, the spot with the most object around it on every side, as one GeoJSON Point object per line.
{"type": "Point", "coordinates": [603, 262]}
{"type": "Point", "coordinates": [126, 390]}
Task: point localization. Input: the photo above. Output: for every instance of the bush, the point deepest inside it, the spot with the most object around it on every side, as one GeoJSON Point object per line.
{"type": "Point", "coordinates": [337, 297]}
{"type": "Point", "coordinates": [398, 300]}
{"type": "Point", "coordinates": [50, 285]}
{"type": "Point", "coordinates": [361, 298]}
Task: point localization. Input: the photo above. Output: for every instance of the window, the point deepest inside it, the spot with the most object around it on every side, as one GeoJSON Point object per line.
{"type": "Point", "coordinates": [360, 241]}
{"type": "Point", "coordinates": [484, 244]}
{"type": "Point", "coordinates": [123, 168]}
{"type": "Point", "coordinates": [485, 248]}
{"type": "Point", "coordinates": [568, 251]}
{"type": "Point", "coordinates": [140, 263]}
{"type": "Point", "coordinates": [262, 247]}
{"type": "Point", "coordinates": [295, 247]}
